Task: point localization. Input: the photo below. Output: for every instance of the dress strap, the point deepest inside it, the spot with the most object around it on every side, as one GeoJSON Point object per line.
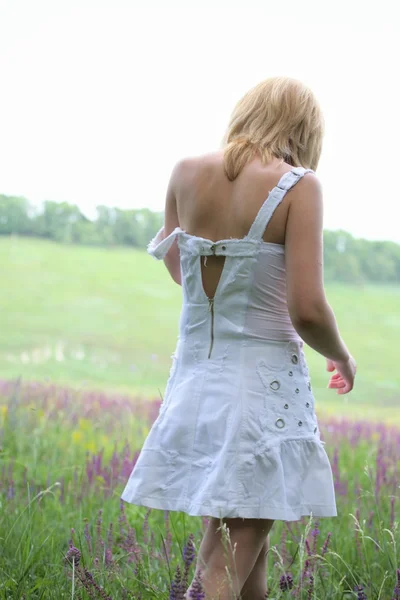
{"type": "Point", "coordinates": [275, 197]}
{"type": "Point", "coordinates": [159, 245]}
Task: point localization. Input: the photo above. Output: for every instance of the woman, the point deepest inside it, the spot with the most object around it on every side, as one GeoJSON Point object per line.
{"type": "Point", "coordinates": [237, 438]}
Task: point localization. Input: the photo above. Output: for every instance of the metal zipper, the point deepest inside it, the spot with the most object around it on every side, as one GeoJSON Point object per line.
{"type": "Point", "coordinates": [211, 309]}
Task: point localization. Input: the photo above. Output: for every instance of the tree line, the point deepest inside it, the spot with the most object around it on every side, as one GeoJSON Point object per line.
{"type": "Point", "coordinates": [346, 258]}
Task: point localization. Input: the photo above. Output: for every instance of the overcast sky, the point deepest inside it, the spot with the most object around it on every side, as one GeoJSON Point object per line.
{"type": "Point", "coordinates": [99, 99]}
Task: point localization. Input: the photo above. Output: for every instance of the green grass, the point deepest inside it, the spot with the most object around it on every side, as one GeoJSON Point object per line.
{"type": "Point", "coordinates": [65, 458]}
{"type": "Point", "coordinates": [108, 318]}
{"type": "Point", "coordinates": [85, 317]}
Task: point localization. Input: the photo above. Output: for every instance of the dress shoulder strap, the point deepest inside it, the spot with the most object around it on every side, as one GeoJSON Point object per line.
{"type": "Point", "coordinates": [275, 197]}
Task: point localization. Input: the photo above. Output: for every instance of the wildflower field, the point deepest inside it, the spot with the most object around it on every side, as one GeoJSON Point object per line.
{"type": "Point", "coordinates": [87, 335]}
{"type": "Point", "coordinates": [65, 456]}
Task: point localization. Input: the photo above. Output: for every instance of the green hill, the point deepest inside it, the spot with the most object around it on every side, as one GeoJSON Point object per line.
{"type": "Point", "coordinates": [108, 318]}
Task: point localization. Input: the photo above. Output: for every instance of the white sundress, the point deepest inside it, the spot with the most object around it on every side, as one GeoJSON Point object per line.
{"type": "Point", "coordinates": [236, 434]}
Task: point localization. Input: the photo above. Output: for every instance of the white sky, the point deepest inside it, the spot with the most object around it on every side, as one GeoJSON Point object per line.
{"type": "Point", "coordinates": [99, 99]}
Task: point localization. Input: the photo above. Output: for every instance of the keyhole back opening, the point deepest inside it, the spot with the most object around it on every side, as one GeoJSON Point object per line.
{"type": "Point", "coordinates": [211, 272]}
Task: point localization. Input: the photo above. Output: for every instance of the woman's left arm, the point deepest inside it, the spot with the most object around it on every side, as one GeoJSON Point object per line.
{"type": "Point", "coordinates": [171, 221]}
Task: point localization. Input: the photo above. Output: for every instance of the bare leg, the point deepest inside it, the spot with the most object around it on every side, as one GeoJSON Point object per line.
{"type": "Point", "coordinates": [226, 564]}
{"type": "Point", "coordinates": [255, 587]}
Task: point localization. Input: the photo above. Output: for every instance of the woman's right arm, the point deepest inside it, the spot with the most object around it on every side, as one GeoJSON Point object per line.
{"type": "Point", "coordinates": [309, 310]}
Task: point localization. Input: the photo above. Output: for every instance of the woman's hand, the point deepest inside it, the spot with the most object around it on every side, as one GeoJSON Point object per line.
{"type": "Point", "coordinates": [343, 379]}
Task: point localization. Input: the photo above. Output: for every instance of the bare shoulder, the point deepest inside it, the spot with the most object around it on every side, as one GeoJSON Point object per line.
{"type": "Point", "coordinates": [180, 167]}
{"type": "Point", "coordinates": [201, 160]}
{"type": "Point", "coordinates": [308, 183]}
{"type": "Point", "coordinates": [306, 194]}
{"type": "Point", "coordinates": [187, 163]}
{"type": "Point", "coordinates": [193, 167]}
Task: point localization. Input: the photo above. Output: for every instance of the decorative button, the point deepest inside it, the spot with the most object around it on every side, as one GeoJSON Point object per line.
{"type": "Point", "coordinates": [315, 429]}
{"type": "Point", "coordinates": [307, 404]}
{"type": "Point", "coordinates": [297, 390]}
{"type": "Point", "coordinates": [280, 423]}
{"type": "Point", "coordinates": [286, 406]}
{"type": "Point", "coordinates": [300, 423]}
{"type": "Point", "coordinates": [213, 248]}
{"type": "Point", "coordinates": [290, 373]}
{"type": "Point", "coordinates": [275, 385]}
{"type": "Point", "coordinates": [295, 359]}
{"type": "Point", "coordinates": [223, 247]}
{"type": "Point", "coordinates": [309, 386]}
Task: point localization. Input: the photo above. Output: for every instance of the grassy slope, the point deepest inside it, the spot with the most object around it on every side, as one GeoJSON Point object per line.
{"type": "Point", "coordinates": [108, 318]}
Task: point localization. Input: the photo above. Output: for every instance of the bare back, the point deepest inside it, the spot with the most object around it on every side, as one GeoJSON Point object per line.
{"type": "Point", "coordinates": [212, 207]}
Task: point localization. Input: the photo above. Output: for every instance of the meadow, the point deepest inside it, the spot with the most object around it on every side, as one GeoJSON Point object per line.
{"type": "Point", "coordinates": [107, 319]}
{"type": "Point", "coordinates": [64, 533]}
{"type": "Point", "coordinates": [86, 339]}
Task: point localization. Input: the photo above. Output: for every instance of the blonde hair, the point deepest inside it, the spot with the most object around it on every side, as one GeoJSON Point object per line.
{"type": "Point", "coordinates": [280, 117]}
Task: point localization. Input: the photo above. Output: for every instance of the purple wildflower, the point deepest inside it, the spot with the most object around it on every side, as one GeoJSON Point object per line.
{"type": "Point", "coordinates": [196, 591]}
{"type": "Point", "coordinates": [315, 533]}
{"type": "Point", "coordinates": [99, 541]}
{"type": "Point", "coordinates": [108, 554]}
{"type": "Point", "coordinates": [88, 586]}
{"type": "Point", "coordinates": [176, 591]}
{"type": "Point", "coordinates": [131, 546]}
{"type": "Point", "coordinates": [396, 591]}
{"type": "Point", "coordinates": [152, 551]}
{"type": "Point", "coordinates": [108, 557]}
{"type": "Point", "coordinates": [110, 536]}
{"type": "Point", "coordinates": [326, 544]}
{"type": "Point", "coordinates": [311, 588]}
{"type": "Point", "coordinates": [189, 553]}
{"type": "Point", "coordinates": [123, 523]}
{"type": "Point", "coordinates": [73, 555]}
{"type": "Point", "coordinates": [361, 595]}
{"type": "Point", "coordinates": [286, 582]}
{"type": "Point", "coordinates": [306, 569]}
{"type": "Point", "coordinates": [99, 590]}
{"type": "Point", "coordinates": [71, 540]}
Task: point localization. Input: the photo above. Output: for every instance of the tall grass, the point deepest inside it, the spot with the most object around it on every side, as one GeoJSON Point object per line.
{"type": "Point", "coordinates": [64, 533]}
